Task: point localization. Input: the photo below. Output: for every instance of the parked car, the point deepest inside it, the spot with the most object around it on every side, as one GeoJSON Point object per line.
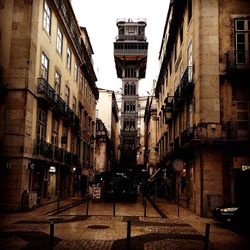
{"type": "Point", "coordinates": [233, 214]}
{"type": "Point", "coordinates": [227, 213]}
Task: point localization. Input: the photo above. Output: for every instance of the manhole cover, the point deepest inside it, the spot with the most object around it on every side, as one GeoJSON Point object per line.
{"type": "Point", "coordinates": [98, 227]}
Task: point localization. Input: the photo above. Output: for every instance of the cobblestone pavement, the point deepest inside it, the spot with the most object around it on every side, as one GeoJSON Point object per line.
{"type": "Point", "coordinates": [97, 228]}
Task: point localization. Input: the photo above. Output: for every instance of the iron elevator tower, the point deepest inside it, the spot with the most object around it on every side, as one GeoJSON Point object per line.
{"type": "Point", "coordinates": [130, 54]}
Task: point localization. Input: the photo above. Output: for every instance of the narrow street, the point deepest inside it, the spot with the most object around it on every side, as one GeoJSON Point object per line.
{"type": "Point", "coordinates": [80, 225]}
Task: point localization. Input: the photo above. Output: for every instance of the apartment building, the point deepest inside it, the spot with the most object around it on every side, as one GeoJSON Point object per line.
{"type": "Point", "coordinates": [48, 107]}
{"type": "Point", "coordinates": [142, 100]}
{"type": "Point", "coordinates": [203, 102]}
{"type": "Point", "coordinates": [107, 131]}
{"type": "Point", "coordinates": [150, 135]}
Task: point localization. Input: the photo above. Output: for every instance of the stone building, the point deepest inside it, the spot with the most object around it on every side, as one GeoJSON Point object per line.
{"type": "Point", "coordinates": [142, 100]}
{"type": "Point", "coordinates": [106, 148]}
{"type": "Point", "coordinates": [203, 101]}
{"type": "Point", "coordinates": [48, 106]}
{"type": "Point", "coordinates": [150, 140]}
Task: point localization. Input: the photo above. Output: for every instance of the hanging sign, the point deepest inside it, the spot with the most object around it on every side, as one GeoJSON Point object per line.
{"type": "Point", "coordinates": [178, 165]}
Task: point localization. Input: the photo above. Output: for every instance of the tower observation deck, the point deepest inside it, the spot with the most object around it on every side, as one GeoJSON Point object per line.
{"type": "Point", "coordinates": [130, 54]}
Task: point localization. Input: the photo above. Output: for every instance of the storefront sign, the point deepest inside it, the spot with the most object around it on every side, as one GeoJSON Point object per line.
{"type": "Point", "coordinates": [52, 169]}
{"type": "Point", "coordinates": [245, 167]}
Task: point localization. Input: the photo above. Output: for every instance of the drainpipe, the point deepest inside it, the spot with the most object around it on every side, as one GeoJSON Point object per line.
{"type": "Point", "coordinates": [201, 183]}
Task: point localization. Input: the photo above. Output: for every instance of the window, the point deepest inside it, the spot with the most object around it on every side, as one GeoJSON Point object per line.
{"type": "Point", "coordinates": [81, 82]}
{"type": "Point", "coordinates": [130, 89]}
{"type": "Point", "coordinates": [67, 95]}
{"type": "Point", "coordinates": [41, 124]}
{"type": "Point", "coordinates": [242, 36]}
{"type": "Point", "coordinates": [73, 143]}
{"type": "Point", "coordinates": [190, 61]}
{"type": "Point", "coordinates": [75, 72]}
{"type": "Point", "coordinates": [130, 72]}
{"type": "Point", "coordinates": [74, 104]}
{"type": "Point", "coordinates": [57, 83]}
{"type": "Point", "coordinates": [68, 60]}
{"type": "Point", "coordinates": [54, 133]}
{"type": "Point", "coordinates": [59, 41]}
{"type": "Point", "coordinates": [129, 125]}
{"type": "Point", "coordinates": [47, 18]}
{"type": "Point", "coordinates": [129, 107]}
{"type": "Point", "coordinates": [44, 67]}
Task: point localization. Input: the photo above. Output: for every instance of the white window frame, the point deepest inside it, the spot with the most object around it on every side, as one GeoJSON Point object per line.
{"type": "Point", "coordinates": [47, 18]}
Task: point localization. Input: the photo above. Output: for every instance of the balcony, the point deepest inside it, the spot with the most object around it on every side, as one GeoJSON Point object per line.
{"type": "Point", "coordinates": [179, 100]}
{"type": "Point", "coordinates": [187, 136]}
{"type": "Point", "coordinates": [238, 130]}
{"type": "Point", "coordinates": [56, 103]}
{"type": "Point", "coordinates": [238, 61]}
{"type": "Point", "coordinates": [187, 84]}
{"type": "Point", "coordinates": [45, 90]}
{"type": "Point", "coordinates": [49, 151]}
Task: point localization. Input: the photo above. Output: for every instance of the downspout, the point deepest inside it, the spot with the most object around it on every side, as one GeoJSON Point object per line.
{"type": "Point", "coordinates": [201, 183]}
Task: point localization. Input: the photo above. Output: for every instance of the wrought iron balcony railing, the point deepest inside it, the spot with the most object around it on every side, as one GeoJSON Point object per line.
{"type": "Point", "coordinates": [131, 37]}
{"type": "Point", "coordinates": [57, 103]}
{"type": "Point", "coordinates": [187, 85]}
{"type": "Point", "coordinates": [53, 152]}
{"type": "Point", "coordinates": [45, 90]}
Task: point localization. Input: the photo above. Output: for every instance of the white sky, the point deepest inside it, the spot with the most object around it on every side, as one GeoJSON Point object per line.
{"type": "Point", "coordinates": [99, 17]}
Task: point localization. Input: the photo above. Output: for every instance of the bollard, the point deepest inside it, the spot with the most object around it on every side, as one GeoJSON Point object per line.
{"type": "Point", "coordinates": [51, 236]}
{"type": "Point", "coordinates": [58, 207]}
{"type": "Point", "coordinates": [145, 207]}
{"type": "Point", "coordinates": [114, 207]}
{"type": "Point", "coordinates": [87, 209]}
{"type": "Point", "coordinates": [128, 234]}
{"type": "Point", "coordinates": [207, 236]}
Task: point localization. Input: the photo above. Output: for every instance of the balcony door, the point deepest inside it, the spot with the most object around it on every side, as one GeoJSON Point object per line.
{"type": "Point", "coordinates": [242, 36]}
{"type": "Point", "coordinates": [242, 112]}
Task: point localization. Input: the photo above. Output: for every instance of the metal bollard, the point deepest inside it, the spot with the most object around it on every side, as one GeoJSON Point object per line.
{"type": "Point", "coordinates": [128, 234]}
{"type": "Point", "coordinates": [51, 236]}
{"type": "Point", "coordinates": [145, 207]}
{"type": "Point", "coordinates": [114, 208]}
{"type": "Point", "coordinates": [87, 209]}
{"type": "Point", "coordinates": [207, 236]}
{"type": "Point", "coordinates": [58, 207]}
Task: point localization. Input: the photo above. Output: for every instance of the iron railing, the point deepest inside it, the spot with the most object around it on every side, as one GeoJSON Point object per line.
{"type": "Point", "coordinates": [53, 152]}
{"type": "Point", "coordinates": [57, 103]}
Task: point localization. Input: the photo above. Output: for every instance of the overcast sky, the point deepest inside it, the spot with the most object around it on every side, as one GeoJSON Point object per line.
{"type": "Point", "coordinates": [99, 17]}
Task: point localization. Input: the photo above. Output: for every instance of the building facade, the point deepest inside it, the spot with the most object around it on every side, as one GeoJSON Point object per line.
{"type": "Point", "coordinates": [142, 100]}
{"type": "Point", "coordinates": [48, 107]}
{"type": "Point", "coordinates": [106, 131]}
{"type": "Point", "coordinates": [130, 53]}
{"type": "Point", "coordinates": [203, 102]}
{"type": "Point", "coordinates": [150, 131]}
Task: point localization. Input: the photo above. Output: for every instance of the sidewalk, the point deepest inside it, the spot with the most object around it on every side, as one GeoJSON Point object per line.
{"type": "Point", "coordinates": [222, 238]}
